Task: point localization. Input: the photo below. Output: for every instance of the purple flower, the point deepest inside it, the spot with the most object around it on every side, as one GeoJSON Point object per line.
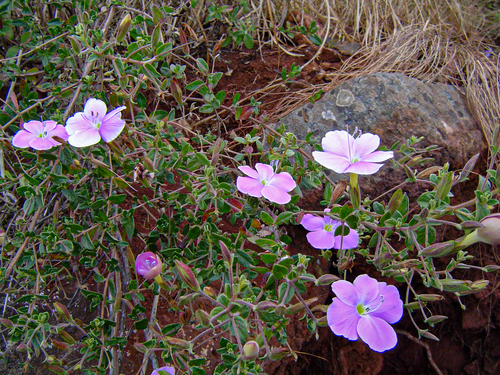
{"type": "Point", "coordinates": [39, 135]}
{"type": "Point", "coordinates": [148, 265]}
{"type": "Point", "coordinates": [365, 309]}
{"type": "Point", "coordinates": [264, 182]}
{"type": "Point", "coordinates": [345, 154]}
{"type": "Point", "coordinates": [168, 370]}
{"type": "Point", "coordinates": [88, 127]}
{"type": "Point", "coordinates": [322, 233]}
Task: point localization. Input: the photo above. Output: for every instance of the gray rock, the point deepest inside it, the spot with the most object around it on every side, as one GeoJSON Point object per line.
{"type": "Point", "coordinates": [395, 107]}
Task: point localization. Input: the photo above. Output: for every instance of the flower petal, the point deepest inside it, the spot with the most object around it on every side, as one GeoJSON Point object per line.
{"type": "Point", "coordinates": [313, 223]}
{"type": "Point", "coordinates": [367, 288]}
{"type": "Point", "coordinates": [95, 108]}
{"type": "Point", "coordinates": [377, 333]}
{"type": "Point", "coordinates": [112, 125]}
{"type": "Point", "coordinates": [391, 310]}
{"type": "Point", "coordinates": [378, 156]}
{"type": "Point", "coordinates": [276, 194]}
{"type": "Point", "coordinates": [265, 171]}
{"type": "Point", "coordinates": [365, 144]}
{"type": "Point", "coordinates": [49, 125]}
{"type": "Point", "coordinates": [23, 138]}
{"type": "Point", "coordinates": [343, 319]}
{"type": "Point", "coordinates": [334, 162]}
{"type": "Point", "coordinates": [350, 241]}
{"type": "Point", "coordinates": [249, 171]}
{"type": "Point", "coordinates": [77, 123]}
{"type": "Point", "coordinates": [168, 370]}
{"type": "Point", "coordinates": [33, 126]}
{"type": "Point", "coordinates": [346, 292]}
{"type": "Point", "coordinates": [362, 167]}
{"type": "Point", "coordinates": [321, 239]}
{"type": "Point", "coordinates": [338, 142]}
{"type": "Point", "coordinates": [84, 138]}
{"type": "Point", "coordinates": [283, 180]}
{"type": "Point", "coordinates": [42, 143]}
{"type": "Point", "coordinates": [250, 186]}
{"type": "Point", "coordinates": [60, 132]}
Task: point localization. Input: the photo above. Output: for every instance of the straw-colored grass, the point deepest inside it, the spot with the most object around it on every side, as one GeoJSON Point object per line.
{"type": "Point", "coordinates": [431, 40]}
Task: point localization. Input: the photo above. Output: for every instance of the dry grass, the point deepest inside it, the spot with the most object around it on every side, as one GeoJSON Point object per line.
{"type": "Point", "coordinates": [431, 40]}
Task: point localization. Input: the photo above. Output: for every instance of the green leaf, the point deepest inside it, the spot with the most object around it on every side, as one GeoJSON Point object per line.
{"type": "Point", "coordinates": [268, 257]}
{"type": "Point", "coordinates": [117, 199]}
{"type": "Point", "coordinates": [202, 65]}
{"type": "Point", "coordinates": [282, 291]}
{"type": "Point", "coordinates": [194, 85]}
{"type": "Point", "coordinates": [248, 41]}
{"type": "Point", "coordinates": [86, 242]}
{"type": "Point", "coordinates": [202, 159]}
{"type": "Point", "coordinates": [244, 258]}
{"type": "Point", "coordinates": [141, 324]}
{"type": "Point", "coordinates": [279, 271]}
{"type": "Point", "coordinates": [266, 218]}
{"type": "Point", "coordinates": [284, 218]}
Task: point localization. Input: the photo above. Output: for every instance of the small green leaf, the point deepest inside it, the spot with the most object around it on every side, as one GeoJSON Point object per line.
{"type": "Point", "coordinates": [284, 218]}
{"type": "Point", "coordinates": [141, 324]}
{"type": "Point", "coordinates": [266, 218]}
{"type": "Point", "coordinates": [194, 85]}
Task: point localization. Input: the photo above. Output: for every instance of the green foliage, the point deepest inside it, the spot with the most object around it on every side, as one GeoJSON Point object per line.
{"type": "Point", "coordinates": [76, 219]}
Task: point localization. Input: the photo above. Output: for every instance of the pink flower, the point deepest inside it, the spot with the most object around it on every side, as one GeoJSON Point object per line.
{"type": "Point", "coordinates": [148, 265]}
{"type": "Point", "coordinates": [322, 233]}
{"type": "Point", "coordinates": [345, 154]}
{"type": "Point", "coordinates": [38, 135]}
{"type": "Point", "coordinates": [88, 127]}
{"type": "Point", "coordinates": [365, 309]}
{"type": "Point", "coordinates": [168, 370]}
{"type": "Point", "coordinates": [264, 182]}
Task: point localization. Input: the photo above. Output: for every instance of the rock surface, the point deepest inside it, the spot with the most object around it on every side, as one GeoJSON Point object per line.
{"type": "Point", "coordinates": [395, 107]}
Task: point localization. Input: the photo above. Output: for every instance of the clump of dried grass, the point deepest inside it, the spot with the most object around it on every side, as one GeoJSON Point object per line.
{"type": "Point", "coordinates": [431, 40]}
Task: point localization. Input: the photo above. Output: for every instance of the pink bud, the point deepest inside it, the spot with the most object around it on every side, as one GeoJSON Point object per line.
{"type": "Point", "coordinates": [490, 234]}
{"type": "Point", "coordinates": [148, 265]}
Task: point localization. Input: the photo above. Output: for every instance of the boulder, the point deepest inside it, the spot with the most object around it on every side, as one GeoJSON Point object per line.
{"type": "Point", "coordinates": [395, 107]}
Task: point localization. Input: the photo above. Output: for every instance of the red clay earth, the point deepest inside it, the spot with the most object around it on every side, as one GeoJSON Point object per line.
{"type": "Point", "coordinates": [470, 339]}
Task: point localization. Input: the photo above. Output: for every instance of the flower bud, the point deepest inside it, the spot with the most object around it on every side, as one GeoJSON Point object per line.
{"type": "Point", "coordinates": [209, 291]}
{"type": "Point", "coordinates": [413, 305]}
{"type": "Point", "coordinates": [148, 265]}
{"type": "Point", "coordinates": [278, 354]}
{"type": "Point", "coordinates": [430, 297]}
{"type": "Point", "coordinates": [453, 285]}
{"type": "Point", "coordinates": [280, 310]}
{"type": "Point", "coordinates": [322, 322]}
{"type": "Point", "coordinates": [298, 307]}
{"type": "Point", "coordinates": [63, 311]}
{"type": "Point", "coordinates": [202, 318]}
{"type": "Point", "coordinates": [264, 306]}
{"type": "Point", "coordinates": [471, 225]}
{"type": "Point", "coordinates": [327, 279]}
{"type": "Point", "coordinates": [490, 234]}
{"type": "Point", "coordinates": [123, 28]}
{"type": "Point", "coordinates": [225, 252]}
{"type": "Point", "coordinates": [175, 90]}
{"type": "Point", "coordinates": [178, 343]}
{"type": "Point", "coordinates": [250, 351]}
{"type": "Point", "coordinates": [435, 319]}
{"type": "Point", "coordinates": [439, 249]}
{"type": "Point", "coordinates": [187, 275]}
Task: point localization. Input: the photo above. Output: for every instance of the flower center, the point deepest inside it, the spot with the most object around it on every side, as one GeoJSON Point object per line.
{"type": "Point", "coordinates": [328, 227]}
{"type": "Point", "coordinates": [151, 263]}
{"type": "Point", "coordinates": [361, 309]}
